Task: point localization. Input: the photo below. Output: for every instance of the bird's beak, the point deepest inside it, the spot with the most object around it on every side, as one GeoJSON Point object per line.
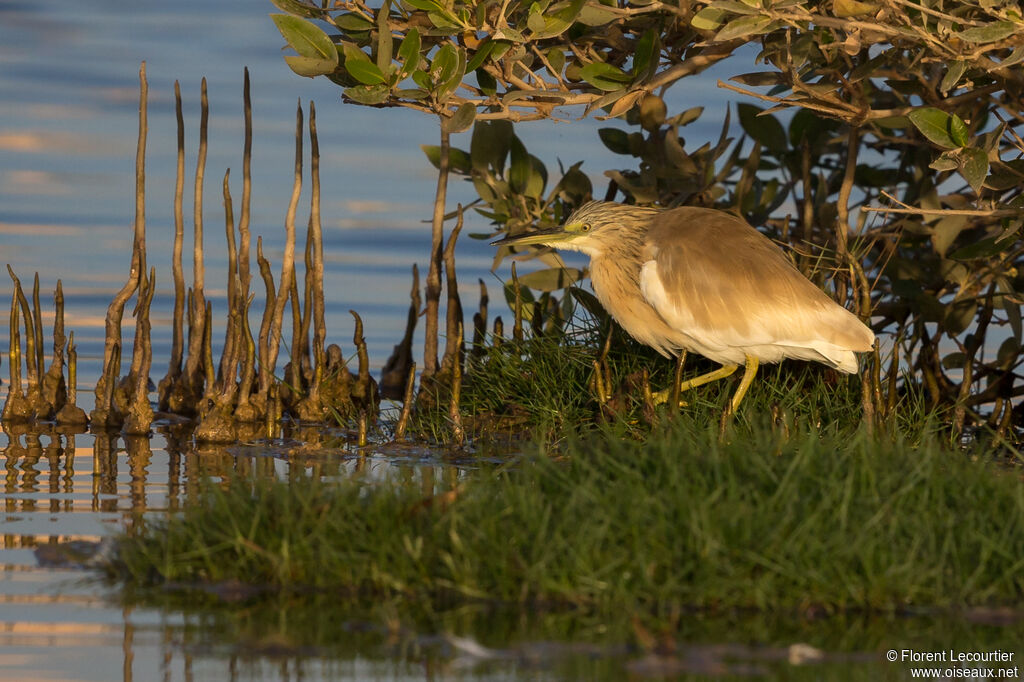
{"type": "Point", "coordinates": [548, 236]}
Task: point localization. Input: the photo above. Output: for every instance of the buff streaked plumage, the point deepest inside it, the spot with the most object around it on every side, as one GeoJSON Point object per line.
{"type": "Point", "coordinates": [704, 280]}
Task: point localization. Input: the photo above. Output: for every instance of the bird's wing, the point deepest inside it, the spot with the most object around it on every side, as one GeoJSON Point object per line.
{"type": "Point", "coordinates": [717, 279]}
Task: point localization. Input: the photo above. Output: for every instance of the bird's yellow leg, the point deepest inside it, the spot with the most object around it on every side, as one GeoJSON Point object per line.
{"type": "Point", "coordinates": [748, 378]}
{"type": "Point", "coordinates": [720, 373]}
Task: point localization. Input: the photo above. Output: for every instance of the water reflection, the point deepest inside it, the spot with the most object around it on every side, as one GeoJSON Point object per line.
{"type": "Point", "coordinates": [127, 474]}
{"type": "Point", "coordinates": [65, 490]}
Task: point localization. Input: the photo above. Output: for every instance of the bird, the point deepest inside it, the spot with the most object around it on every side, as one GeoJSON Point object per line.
{"type": "Point", "coordinates": [703, 280]}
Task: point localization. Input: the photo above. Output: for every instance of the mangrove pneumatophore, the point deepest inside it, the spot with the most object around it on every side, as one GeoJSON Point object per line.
{"type": "Point", "coordinates": [238, 393]}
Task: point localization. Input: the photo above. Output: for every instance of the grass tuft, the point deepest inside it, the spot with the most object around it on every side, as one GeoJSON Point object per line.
{"type": "Point", "coordinates": [821, 516]}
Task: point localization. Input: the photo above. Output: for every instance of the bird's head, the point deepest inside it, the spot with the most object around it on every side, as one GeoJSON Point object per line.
{"type": "Point", "coordinates": [591, 228]}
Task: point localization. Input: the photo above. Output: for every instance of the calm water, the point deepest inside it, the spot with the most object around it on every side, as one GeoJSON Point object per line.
{"type": "Point", "coordinates": [68, 115]}
{"type": "Point", "coordinates": [68, 121]}
{"type": "Point", "coordinates": [58, 622]}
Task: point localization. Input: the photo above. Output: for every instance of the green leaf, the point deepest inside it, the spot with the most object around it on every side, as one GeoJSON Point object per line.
{"type": "Point", "coordinates": [893, 122]}
{"type": "Point", "coordinates": [954, 360]}
{"type": "Point", "coordinates": [687, 117]}
{"type": "Point", "coordinates": [709, 19]}
{"type": "Point", "coordinates": [479, 56]}
{"type": "Point", "coordinates": [422, 79]}
{"type": "Point", "coordinates": [556, 58]}
{"type": "Point", "coordinates": [444, 22]}
{"type": "Point", "coordinates": [597, 15]}
{"type": "Point", "coordinates": [743, 27]}
{"type": "Point", "coordinates": [443, 64]}
{"type": "Point", "coordinates": [1011, 230]}
{"type": "Point", "coordinates": [490, 145]}
{"type": "Point", "coordinates": [461, 119]}
{"type": "Point", "coordinates": [433, 153]}
{"type": "Point", "coordinates": [575, 185]}
{"type": "Point", "coordinates": [551, 279]}
{"type": "Point", "coordinates": [297, 8]}
{"type": "Point", "coordinates": [425, 5]}
{"type": "Point", "coordinates": [604, 76]}
{"type": "Point", "coordinates": [1015, 57]}
{"type": "Point", "coordinates": [945, 232]}
{"type": "Point", "coordinates": [652, 112]}
{"type": "Point", "coordinates": [487, 83]}
{"type": "Point", "coordinates": [352, 53]}
{"type": "Point", "coordinates": [409, 53]}
{"type": "Point", "coordinates": [535, 22]}
{"type": "Point", "coordinates": [954, 72]}
{"type": "Point", "coordinates": [959, 316]}
{"type": "Point", "coordinates": [1010, 348]}
{"type": "Point", "coordinates": [366, 72]}
{"type": "Point", "coordinates": [537, 180]}
{"type": "Point", "coordinates": [411, 93]}
{"type": "Point", "coordinates": [547, 95]}
{"type": "Point", "coordinates": [508, 34]}
{"type": "Point", "coordinates": [368, 94]}
{"type": "Point", "coordinates": [958, 131]}
{"type": "Point", "coordinates": [935, 125]}
{"type": "Point", "coordinates": [589, 303]}
{"type": "Point", "coordinates": [1007, 174]}
{"type": "Point", "coordinates": [305, 37]}
{"type": "Point", "coordinates": [759, 78]}
{"type": "Point", "coordinates": [853, 8]}
{"type": "Point", "coordinates": [484, 189]}
{"type": "Point", "coordinates": [616, 140]}
{"type": "Point", "coordinates": [807, 126]}
{"type": "Point", "coordinates": [519, 166]}
{"type": "Point", "coordinates": [454, 76]}
{"type": "Point", "coordinates": [975, 168]}
{"type": "Point", "coordinates": [608, 101]}
{"type": "Point", "coordinates": [984, 248]}
{"type": "Point", "coordinates": [765, 129]}
{"type": "Point", "coordinates": [736, 7]}
{"type": "Point", "coordinates": [677, 157]}
{"type": "Point", "coordinates": [947, 161]}
{"type": "Point", "coordinates": [645, 54]}
{"type": "Point", "coordinates": [557, 23]}
{"type": "Point", "coordinates": [385, 44]}
{"type": "Point", "coordinates": [310, 66]}
{"type": "Point", "coordinates": [458, 160]}
{"type": "Point", "coordinates": [990, 32]}
{"type": "Point", "coordinates": [352, 22]}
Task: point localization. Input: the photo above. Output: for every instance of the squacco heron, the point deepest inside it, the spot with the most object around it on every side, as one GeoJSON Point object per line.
{"type": "Point", "coordinates": [702, 280]}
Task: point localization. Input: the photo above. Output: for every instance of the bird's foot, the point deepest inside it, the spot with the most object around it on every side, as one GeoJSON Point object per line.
{"type": "Point", "coordinates": [664, 397]}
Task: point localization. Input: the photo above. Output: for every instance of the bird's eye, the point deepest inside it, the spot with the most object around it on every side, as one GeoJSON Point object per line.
{"type": "Point", "coordinates": [585, 227]}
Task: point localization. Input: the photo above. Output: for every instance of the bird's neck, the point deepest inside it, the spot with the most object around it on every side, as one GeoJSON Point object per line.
{"type": "Point", "coordinates": [620, 244]}
{"type": "Point", "coordinates": [620, 262]}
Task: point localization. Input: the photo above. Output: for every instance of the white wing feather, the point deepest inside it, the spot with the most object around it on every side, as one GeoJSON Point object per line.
{"type": "Point", "coordinates": [768, 332]}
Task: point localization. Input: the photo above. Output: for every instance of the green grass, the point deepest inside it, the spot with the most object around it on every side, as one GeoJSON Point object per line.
{"type": "Point", "coordinates": [535, 388]}
{"type": "Point", "coordinates": [821, 516]}
{"type": "Point", "coordinates": [619, 511]}
{"type": "Point", "coordinates": [542, 389]}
